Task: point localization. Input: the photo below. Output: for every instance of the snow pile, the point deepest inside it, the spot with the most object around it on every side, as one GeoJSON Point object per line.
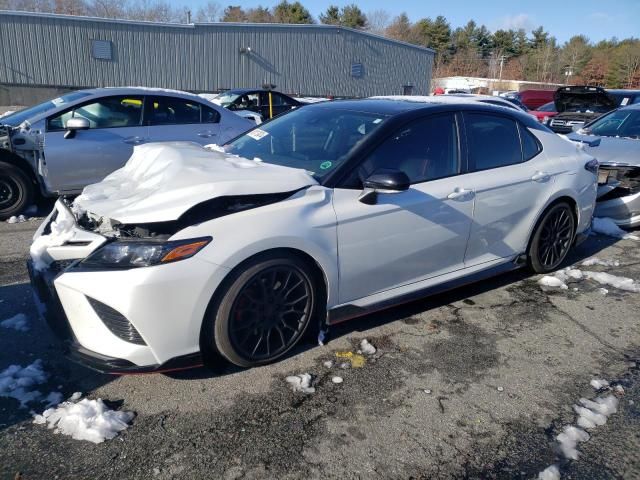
{"type": "Point", "coordinates": [569, 440]}
{"type": "Point", "coordinates": [17, 322]}
{"type": "Point", "coordinates": [61, 232]}
{"type": "Point", "coordinates": [301, 383]}
{"type": "Point", "coordinates": [598, 384]}
{"type": "Point", "coordinates": [621, 283]}
{"type": "Point", "coordinates": [18, 219]}
{"type": "Point", "coordinates": [337, 379]}
{"type": "Point", "coordinates": [603, 263]}
{"type": "Point", "coordinates": [53, 399]}
{"type": "Point", "coordinates": [595, 413]}
{"type": "Point", "coordinates": [366, 347]}
{"type": "Point", "coordinates": [86, 419]}
{"type": "Point", "coordinates": [560, 278]}
{"type": "Point", "coordinates": [550, 473]}
{"type": "Point", "coordinates": [17, 382]}
{"type": "Point", "coordinates": [607, 226]}
{"type": "Point", "coordinates": [7, 113]}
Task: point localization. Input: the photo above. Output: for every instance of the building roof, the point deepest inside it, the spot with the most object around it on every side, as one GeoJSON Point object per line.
{"type": "Point", "coordinates": [296, 26]}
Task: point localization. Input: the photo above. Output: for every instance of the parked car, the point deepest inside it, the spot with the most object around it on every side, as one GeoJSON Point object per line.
{"type": "Point", "coordinates": [534, 98]}
{"type": "Point", "coordinates": [60, 146]}
{"type": "Point", "coordinates": [577, 105]}
{"type": "Point", "coordinates": [625, 97]}
{"type": "Point", "coordinates": [325, 213]}
{"type": "Point", "coordinates": [614, 139]}
{"type": "Point", "coordinates": [256, 104]}
{"type": "Point", "coordinates": [545, 112]}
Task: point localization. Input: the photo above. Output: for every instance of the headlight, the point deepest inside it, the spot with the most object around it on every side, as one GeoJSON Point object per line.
{"type": "Point", "coordinates": [133, 253]}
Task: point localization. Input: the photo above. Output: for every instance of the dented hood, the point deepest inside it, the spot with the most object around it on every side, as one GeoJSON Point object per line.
{"type": "Point", "coordinates": [161, 181]}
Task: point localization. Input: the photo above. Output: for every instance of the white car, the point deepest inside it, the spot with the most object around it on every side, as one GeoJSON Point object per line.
{"type": "Point", "coordinates": [323, 214]}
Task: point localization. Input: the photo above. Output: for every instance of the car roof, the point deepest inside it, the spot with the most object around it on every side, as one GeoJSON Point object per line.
{"type": "Point", "coordinates": [622, 91]}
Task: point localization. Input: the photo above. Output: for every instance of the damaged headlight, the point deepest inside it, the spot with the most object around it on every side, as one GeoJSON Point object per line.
{"type": "Point", "coordinates": [133, 253]}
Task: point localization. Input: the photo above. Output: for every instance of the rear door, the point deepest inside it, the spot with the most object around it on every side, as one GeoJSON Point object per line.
{"type": "Point", "coordinates": [512, 180]}
{"type": "Point", "coordinates": [409, 236]}
{"type": "Point", "coordinates": [90, 155]}
{"type": "Point", "coordinates": [181, 119]}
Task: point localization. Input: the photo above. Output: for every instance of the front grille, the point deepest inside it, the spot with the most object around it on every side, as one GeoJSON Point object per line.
{"type": "Point", "coordinates": [116, 322]}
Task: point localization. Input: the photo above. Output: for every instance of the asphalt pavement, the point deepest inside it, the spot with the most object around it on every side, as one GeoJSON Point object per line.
{"type": "Point", "coordinates": [475, 383]}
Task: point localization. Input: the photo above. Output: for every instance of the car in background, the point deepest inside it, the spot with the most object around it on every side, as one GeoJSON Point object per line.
{"type": "Point", "coordinates": [545, 112]}
{"type": "Point", "coordinates": [256, 104]}
{"type": "Point", "coordinates": [614, 139]}
{"type": "Point", "coordinates": [59, 146]}
{"type": "Point", "coordinates": [578, 105]}
{"type": "Point", "coordinates": [625, 97]}
{"type": "Point", "coordinates": [325, 213]}
{"type": "Point", "coordinates": [534, 98]}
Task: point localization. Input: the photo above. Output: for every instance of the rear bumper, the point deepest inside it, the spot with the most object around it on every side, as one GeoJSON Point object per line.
{"type": "Point", "coordinates": [51, 310]}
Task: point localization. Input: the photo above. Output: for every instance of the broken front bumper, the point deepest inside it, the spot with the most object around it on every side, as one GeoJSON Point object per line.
{"type": "Point", "coordinates": [619, 194]}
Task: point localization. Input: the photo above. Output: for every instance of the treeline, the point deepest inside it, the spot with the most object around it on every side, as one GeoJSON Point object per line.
{"type": "Point", "coordinates": [471, 50]}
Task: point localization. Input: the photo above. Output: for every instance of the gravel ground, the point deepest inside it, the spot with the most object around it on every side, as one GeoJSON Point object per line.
{"type": "Point", "coordinates": [475, 383]}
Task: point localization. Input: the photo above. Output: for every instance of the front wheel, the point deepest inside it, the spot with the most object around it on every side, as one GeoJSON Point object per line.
{"type": "Point", "coordinates": [263, 313]}
{"type": "Point", "coordinates": [16, 191]}
{"type": "Point", "coordinates": [552, 238]}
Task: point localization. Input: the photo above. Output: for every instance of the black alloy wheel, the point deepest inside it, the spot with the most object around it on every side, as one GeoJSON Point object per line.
{"type": "Point", "coordinates": [16, 191]}
{"type": "Point", "coordinates": [552, 239]}
{"type": "Point", "coordinates": [264, 312]}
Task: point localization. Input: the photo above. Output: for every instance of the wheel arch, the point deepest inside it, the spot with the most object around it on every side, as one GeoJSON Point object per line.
{"type": "Point", "coordinates": [16, 160]}
{"type": "Point", "coordinates": [563, 197]}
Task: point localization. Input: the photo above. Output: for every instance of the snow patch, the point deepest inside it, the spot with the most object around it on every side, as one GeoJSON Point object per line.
{"type": "Point", "coordinates": [550, 473]}
{"type": "Point", "coordinates": [18, 219]}
{"type": "Point", "coordinates": [607, 226]}
{"type": "Point", "coordinates": [569, 440]}
{"type": "Point", "coordinates": [604, 263]}
{"type": "Point", "coordinates": [53, 399]}
{"type": "Point", "coordinates": [552, 282]}
{"type": "Point", "coordinates": [301, 383]}
{"type": "Point", "coordinates": [366, 347]}
{"type": "Point", "coordinates": [18, 382]}
{"type": "Point", "coordinates": [598, 384]}
{"type": "Point", "coordinates": [86, 419]}
{"type": "Point", "coordinates": [337, 380]}
{"type": "Point", "coordinates": [61, 232]}
{"type": "Point", "coordinates": [621, 283]}
{"type": "Point", "coordinates": [560, 278]}
{"type": "Point", "coordinates": [17, 322]}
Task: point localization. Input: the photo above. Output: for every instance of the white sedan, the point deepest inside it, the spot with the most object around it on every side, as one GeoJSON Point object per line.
{"type": "Point", "coordinates": [323, 214]}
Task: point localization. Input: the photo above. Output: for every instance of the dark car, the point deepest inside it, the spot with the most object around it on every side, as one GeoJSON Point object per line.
{"type": "Point", "coordinates": [266, 103]}
{"type": "Point", "coordinates": [577, 105]}
{"type": "Point", "coordinates": [625, 97]}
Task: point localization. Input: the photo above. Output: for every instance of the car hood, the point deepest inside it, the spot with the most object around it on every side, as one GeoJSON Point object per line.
{"type": "Point", "coordinates": [610, 149]}
{"type": "Point", "coordinates": [161, 181]}
{"type": "Point", "coordinates": [583, 99]}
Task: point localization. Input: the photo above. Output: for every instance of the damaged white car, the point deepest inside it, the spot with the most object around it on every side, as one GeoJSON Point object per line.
{"type": "Point", "coordinates": [323, 214]}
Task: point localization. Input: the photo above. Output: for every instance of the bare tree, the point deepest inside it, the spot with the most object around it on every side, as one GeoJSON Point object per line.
{"type": "Point", "coordinates": [378, 21]}
{"type": "Point", "coordinates": [210, 12]}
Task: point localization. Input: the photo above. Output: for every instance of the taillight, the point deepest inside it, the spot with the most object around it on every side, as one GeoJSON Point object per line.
{"type": "Point", "coordinates": [592, 166]}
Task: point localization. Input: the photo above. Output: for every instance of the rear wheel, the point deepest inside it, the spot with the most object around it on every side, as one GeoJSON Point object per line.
{"type": "Point", "coordinates": [264, 312]}
{"type": "Point", "coordinates": [552, 238]}
{"type": "Point", "coordinates": [16, 190]}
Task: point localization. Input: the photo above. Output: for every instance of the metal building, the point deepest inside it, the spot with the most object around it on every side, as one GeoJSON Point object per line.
{"type": "Point", "coordinates": [59, 51]}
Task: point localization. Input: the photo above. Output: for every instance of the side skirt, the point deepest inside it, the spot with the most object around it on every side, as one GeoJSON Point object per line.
{"type": "Point", "coordinates": [346, 312]}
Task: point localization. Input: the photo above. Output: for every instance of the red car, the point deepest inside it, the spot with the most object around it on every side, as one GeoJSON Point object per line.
{"type": "Point", "coordinates": [545, 112]}
{"type": "Point", "coordinates": [535, 98]}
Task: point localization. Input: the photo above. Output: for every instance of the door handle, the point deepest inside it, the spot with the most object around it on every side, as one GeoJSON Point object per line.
{"type": "Point", "coordinates": [541, 177]}
{"type": "Point", "coordinates": [206, 134]}
{"type": "Point", "coordinates": [460, 194]}
{"type": "Point", "coordinates": [134, 140]}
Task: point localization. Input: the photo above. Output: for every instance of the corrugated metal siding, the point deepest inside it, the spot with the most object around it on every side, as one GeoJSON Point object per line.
{"type": "Point", "coordinates": [48, 50]}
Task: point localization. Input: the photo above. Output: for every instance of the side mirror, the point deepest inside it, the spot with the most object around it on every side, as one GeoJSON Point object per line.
{"type": "Point", "coordinates": [75, 124]}
{"type": "Point", "coordinates": [383, 181]}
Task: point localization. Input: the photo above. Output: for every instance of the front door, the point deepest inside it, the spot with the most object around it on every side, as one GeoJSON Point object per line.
{"type": "Point", "coordinates": [90, 155]}
{"type": "Point", "coordinates": [409, 236]}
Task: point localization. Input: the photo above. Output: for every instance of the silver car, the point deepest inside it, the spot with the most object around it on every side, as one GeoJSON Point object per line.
{"type": "Point", "coordinates": [62, 145]}
{"type": "Point", "coordinates": [614, 139]}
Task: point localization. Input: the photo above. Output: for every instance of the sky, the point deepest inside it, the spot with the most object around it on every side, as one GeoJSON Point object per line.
{"type": "Point", "coordinates": [597, 19]}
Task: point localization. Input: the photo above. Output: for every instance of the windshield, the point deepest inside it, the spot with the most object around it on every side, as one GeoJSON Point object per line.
{"type": "Point", "coordinates": [315, 139]}
{"type": "Point", "coordinates": [226, 98]}
{"type": "Point", "coordinates": [621, 123]}
{"type": "Point", "coordinates": [20, 116]}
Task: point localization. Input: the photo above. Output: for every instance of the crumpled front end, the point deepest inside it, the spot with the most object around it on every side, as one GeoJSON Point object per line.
{"type": "Point", "coordinates": [619, 194]}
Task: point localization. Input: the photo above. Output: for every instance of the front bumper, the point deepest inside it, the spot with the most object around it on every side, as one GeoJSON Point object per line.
{"type": "Point", "coordinates": [624, 211]}
{"type": "Point", "coordinates": [51, 310]}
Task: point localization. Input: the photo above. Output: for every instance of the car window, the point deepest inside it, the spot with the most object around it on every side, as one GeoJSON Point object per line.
{"type": "Point", "coordinates": [172, 111]}
{"type": "Point", "coordinates": [247, 101]}
{"type": "Point", "coordinates": [619, 123]}
{"type": "Point", "coordinates": [108, 112]}
{"type": "Point", "coordinates": [492, 141]}
{"type": "Point", "coordinates": [500, 104]}
{"type": "Point", "coordinates": [20, 116]}
{"type": "Point", "coordinates": [279, 100]}
{"type": "Point", "coordinates": [315, 139]}
{"type": "Point", "coordinates": [209, 115]}
{"type": "Point", "coordinates": [530, 144]}
{"type": "Point", "coordinates": [425, 149]}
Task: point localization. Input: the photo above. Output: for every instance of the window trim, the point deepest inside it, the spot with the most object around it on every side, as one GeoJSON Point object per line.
{"type": "Point", "coordinates": [471, 165]}
{"type": "Point", "coordinates": [89, 102]}
{"type": "Point", "coordinates": [522, 128]}
{"type": "Point", "coordinates": [461, 147]}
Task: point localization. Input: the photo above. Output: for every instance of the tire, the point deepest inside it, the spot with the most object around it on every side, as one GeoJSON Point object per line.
{"type": "Point", "coordinates": [552, 238]}
{"type": "Point", "coordinates": [263, 312]}
{"type": "Point", "coordinates": [16, 191]}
